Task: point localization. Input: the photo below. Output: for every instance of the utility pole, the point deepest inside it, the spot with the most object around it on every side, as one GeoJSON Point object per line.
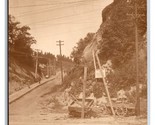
{"type": "Point", "coordinates": [49, 67]}
{"type": "Point", "coordinates": [36, 67]}
{"type": "Point", "coordinates": [137, 107]}
{"type": "Point", "coordinates": [105, 84]}
{"type": "Point", "coordinates": [60, 44]}
{"type": "Point", "coordinates": [84, 92]}
{"type": "Point", "coordinates": [135, 17]}
{"type": "Point", "coordinates": [55, 66]}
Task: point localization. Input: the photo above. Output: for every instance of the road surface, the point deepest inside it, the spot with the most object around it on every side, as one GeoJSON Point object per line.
{"type": "Point", "coordinates": [27, 108]}
{"type": "Point", "coordinates": [27, 111]}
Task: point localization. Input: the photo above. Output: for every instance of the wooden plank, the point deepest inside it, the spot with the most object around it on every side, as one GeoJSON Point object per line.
{"type": "Point", "coordinates": [84, 91]}
{"type": "Point", "coordinates": [75, 99]}
{"type": "Point", "coordinates": [105, 84]}
{"type": "Point", "coordinates": [94, 60]}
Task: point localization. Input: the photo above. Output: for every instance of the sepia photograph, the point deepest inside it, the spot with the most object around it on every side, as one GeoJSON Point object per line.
{"type": "Point", "coordinates": [77, 62]}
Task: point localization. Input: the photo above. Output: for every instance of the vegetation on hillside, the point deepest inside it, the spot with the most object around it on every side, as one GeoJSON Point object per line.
{"type": "Point", "coordinates": [117, 44]}
{"type": "Point", "coordinates": [22, 58]}
{"type": "Point", "coordinates": [20, 41]}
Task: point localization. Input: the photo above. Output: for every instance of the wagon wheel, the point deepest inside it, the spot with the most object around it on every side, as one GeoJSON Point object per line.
{"type": "Point", "coordinates": [121, 111]}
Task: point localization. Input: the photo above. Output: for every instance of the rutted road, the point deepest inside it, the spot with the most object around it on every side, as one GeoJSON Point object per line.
{"type": "Point", "coordinates": [28, 104]}
{"type": "Point", "coordinates": [26, 111]}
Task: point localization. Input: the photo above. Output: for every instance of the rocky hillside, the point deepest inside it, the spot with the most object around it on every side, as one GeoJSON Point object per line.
{"type": "Point", "coordinates": [116, 35]}
{"type": "Point", "coordinates": [115, 40]}
{"type": "Point", "coordinates": [19, 75]}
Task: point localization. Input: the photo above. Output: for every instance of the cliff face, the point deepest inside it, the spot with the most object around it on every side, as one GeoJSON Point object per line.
{"type": "Point", "coordinates": [116, 35]}
{"type": "Point", "coordinates": [115, 40]}
{"type": "Point", "coordinates": [106, 13]}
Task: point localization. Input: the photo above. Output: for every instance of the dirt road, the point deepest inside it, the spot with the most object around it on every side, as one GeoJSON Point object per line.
{"type": "Point", "coordinates": [28, 105]}
{"type": "Point", "coordinates": [28, 111]}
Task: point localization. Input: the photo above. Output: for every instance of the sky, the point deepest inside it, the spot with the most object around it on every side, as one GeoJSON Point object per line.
{"type": "Point", "coordinates": [54, 20]}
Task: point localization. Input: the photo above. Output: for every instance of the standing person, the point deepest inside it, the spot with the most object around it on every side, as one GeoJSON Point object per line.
{"type": "Point", "coordinates": [28, 83]}
{"type": "Point", "coordinates": [39, 79]}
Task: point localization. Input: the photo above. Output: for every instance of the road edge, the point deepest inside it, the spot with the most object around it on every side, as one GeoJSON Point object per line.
{"type": "Point", "coordinates": [28, 91]}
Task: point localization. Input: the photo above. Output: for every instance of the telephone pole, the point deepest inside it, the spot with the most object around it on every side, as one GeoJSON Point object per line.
{"type": "Point", "coordinates": [135, 16]}
{"type": "Point", "coordinates": [49, 67]}
{"type": "Point", "coordinates": [36, 67]}
{"type": "Point", "coordinates": [84, 92]}
{"type": "Point", "coordinates": [137, 107]}
{"type": "Point", "coordinates": [60, 44]}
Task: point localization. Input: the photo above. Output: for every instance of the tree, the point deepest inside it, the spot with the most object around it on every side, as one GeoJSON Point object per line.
{"type": "Point", "coordinates": [19, 37]}
{"type": "Point", "coordinates": [20, 41]}
{"type": "Point", "coordinates": [77, 52]}
{"type": "Point", "coordinates": [118, 42]}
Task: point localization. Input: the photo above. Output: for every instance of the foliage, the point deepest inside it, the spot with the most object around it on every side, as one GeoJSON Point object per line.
{"type": "Point", "coordinates": [45, 57]}
{"type": "Point", "coordinates": [78, 50]}
{"type": "Point", "coordinates": [20, 41]}
{"type": "Point", "coordinates": [118, 34]}
{"type": "Point", "coordinates": [63, 58]}
{"type": "Point", "coordinates": [117, 44]}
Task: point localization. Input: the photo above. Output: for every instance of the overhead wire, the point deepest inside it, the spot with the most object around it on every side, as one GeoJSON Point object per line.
{"type": "Point", "coordinates": [48, 10]}
{"type": "Point", "coordinates": [34, 5]}
{"type": "Point", "coordinates": [34, 11]}
{"type": "Point", "coordinates": [59, 24]}
{"type": "Point", "coordinates": [61, 17]}
{"type": "Point", "coordinates": [72, 31]}
{"type": "Point", "coordinates": [66, 16]}
{"type": "Point", "coordinates": [25, 54]}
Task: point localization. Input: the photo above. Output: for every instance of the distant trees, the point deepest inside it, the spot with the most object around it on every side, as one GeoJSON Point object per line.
{"type": "Point", "coordinates": [78, 50]}
{"type": "Point", "coordinates": [20, 41]}
{"type": "Point", "coordinates": [63, 58]}
{"type": "Point", "coordinates": [45, 57]}
{"type": "Point", "coordinates": [19, 37]}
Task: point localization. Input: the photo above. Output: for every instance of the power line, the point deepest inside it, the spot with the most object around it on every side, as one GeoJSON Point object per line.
{"type": "Point", "coordinates": [65, 17]}
{"type": "Point", "coordinates": [62, 17]}
{"type": "Point", "coordinates": [47, 10]}
{"type": "Point", "coordinates": [36, 11]}
{"type": "Point", "coordinates": [40, 5]}
{"type": "Point", "coordinates": [135, 17]}
{"type": "Point", "coordinates": [49, 4]}
{"type": "Point", "coordinates": [25, 54]}
{"type": "Point", "coordinates": [42, 11]}
{"type": "Point", "coordinates": [61, 33]}
{"type": "Point", "coordinates": [74, 3]}
{"type": "Point", "coordinates": [58, 24]}
{"type": "Point", "coordinates": [73, 31]}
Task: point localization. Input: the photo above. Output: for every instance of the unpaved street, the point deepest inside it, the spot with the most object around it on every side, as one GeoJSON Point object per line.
{"type": "Point", "coordinates": [28, 111]}
{"type": "Point", "coordinates": [28, 106]}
